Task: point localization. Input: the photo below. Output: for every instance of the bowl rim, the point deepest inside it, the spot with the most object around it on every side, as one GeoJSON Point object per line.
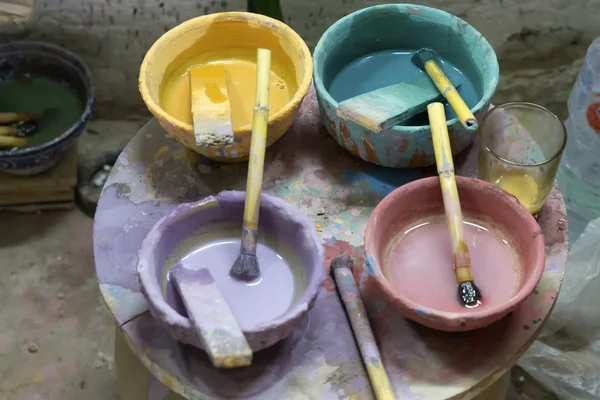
{"type": "Point", "coordinates": [538, 250]}
{"type": "Point", "coordinates": [152, 290]}
{"type": "Point", "coordinates": [233, 16]}
{"type": "Point", "coordinates": [87, 111]}
{"type": "Point", "coordinates": [319, 52]}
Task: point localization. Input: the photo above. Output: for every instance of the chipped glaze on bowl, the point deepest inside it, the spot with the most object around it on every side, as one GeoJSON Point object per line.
{"type": "Point", "coordinates": [421, 199]}
{"type": "Point", "coordinates": [276, 216]}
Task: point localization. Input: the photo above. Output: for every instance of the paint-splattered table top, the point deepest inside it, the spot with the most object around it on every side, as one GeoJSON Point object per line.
{"type": "Point", "coordinates": [320, 360]}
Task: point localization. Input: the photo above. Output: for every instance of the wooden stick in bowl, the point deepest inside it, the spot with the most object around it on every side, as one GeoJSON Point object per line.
{"type": "Point", "coordinates": [8, 141]}
{"type": "Point", "coordinates": [8, 117]}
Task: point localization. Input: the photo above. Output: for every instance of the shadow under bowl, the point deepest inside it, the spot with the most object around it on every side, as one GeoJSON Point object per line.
{"type": "Point", "coordinates": [60, 65]}
{"type": "Point", "coordinates": [483, 204]}
{"type": "Point", "coordinates": [212, 36]}
{"type": "Point", "coordinates": [190, 227]}
{"type": "Point", "coordinates": [401, 27]}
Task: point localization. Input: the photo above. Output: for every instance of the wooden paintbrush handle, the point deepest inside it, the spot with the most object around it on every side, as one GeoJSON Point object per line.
{"type": "Point", "coordinates": [8, 141]}
{"type": "Point", "coordinates": [445, 167]}
{"type": "Point", "coordinates": [367, 345]}
{"type": "Point", "coordinates": [15, 117]}
{"type": "Point", "coordinates": [463, 112]}
{"type": "Point", "coordinates": [258, 141]}
{"type": "Point", "coordinates": [8, 131]}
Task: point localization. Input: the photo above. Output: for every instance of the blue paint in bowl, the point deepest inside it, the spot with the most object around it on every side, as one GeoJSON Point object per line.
{"type": "Point", "coordinates": [401, 27]}
{"type": "Point", "coordinates": [55, 63]}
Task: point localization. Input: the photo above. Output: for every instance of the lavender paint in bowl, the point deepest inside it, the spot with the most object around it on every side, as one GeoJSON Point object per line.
{"type": "Point", "coordinates": [206, 234]}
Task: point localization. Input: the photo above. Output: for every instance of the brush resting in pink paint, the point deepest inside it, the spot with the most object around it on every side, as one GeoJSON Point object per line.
{"type": "Point", "coordinates": [420, 266]}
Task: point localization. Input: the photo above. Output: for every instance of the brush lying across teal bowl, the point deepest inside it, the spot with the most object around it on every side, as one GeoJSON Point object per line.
{"type": "Point", "coordinates": [383, 32]}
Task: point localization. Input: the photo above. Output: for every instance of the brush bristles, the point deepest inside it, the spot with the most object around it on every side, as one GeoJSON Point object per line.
{"type": "Point", "coordinates": [341, 261]}
{"type": "Point", "coordinates": [422, 56]}
{"type": "Point", "coordinates": [245, 267]}
{"type": "Point", "coordinates": [469, 294]}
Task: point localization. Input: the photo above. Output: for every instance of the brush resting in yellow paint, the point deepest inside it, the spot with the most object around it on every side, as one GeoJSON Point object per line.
{"type": "Point", "coordinates": [176, 96]}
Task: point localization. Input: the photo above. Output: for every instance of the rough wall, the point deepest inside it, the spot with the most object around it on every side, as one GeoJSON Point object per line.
{"type": "Point", "coordinates": [540, 43]}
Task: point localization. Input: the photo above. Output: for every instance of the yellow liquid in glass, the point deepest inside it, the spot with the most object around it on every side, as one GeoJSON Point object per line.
{"type": "Point", "coordinates": [524, 187]}
{"type": "Point", "coordinates": [175, 97]}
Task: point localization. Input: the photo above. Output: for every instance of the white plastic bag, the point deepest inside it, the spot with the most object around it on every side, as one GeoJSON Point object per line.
{"type": "Point", "coordinates": [566, 356]}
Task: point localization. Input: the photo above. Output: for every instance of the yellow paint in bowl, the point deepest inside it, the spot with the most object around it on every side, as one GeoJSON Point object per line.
{"type": "Point", "coordinates": [175, 97]}
{"type": "Point", "coordinates": [230, 39]}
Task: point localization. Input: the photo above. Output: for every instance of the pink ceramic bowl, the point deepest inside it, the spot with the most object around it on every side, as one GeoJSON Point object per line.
{"type": "Point", "coordinates": [482, 203]}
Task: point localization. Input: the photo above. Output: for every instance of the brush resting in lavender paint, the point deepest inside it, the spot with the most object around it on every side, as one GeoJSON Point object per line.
{"type": "Point", "coordinates": [245, 267]}
{"type": "Point", "coordinates": [252, 303]}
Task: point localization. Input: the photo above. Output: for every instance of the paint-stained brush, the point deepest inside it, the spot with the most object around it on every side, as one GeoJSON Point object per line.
{"type": "Point", "coordinates": [341, 268]}
{"type": "Point", "coordinates": [468, 293]}
{"type": "Point", "coordinates": [212, 318]}
{"type": "Point", "coordinates": [30, 127]}
{"type": "Point", "coordinates": [211, 110]}
{"type": "Point", "coordinates": [10, 117]}
{"type": "Point", "coordinates": [9, 141]}
{"type": "Point", "coordinates": [384, 108]}
{"type": "Point", "coordinates": [426, 60]}
{"type": "Point", "coordinates": [8, 130]}
{"type": "Point", "coordinates": [27, 127]}
{"type": "Point", "coordinates": [246, 266]}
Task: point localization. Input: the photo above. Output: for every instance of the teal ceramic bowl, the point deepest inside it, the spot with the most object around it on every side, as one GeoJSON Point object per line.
{"type": "Point", "coordinates": [401, 27]}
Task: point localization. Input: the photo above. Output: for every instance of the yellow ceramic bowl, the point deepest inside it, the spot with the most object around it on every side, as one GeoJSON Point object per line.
{"type": "Point", "coordinates": [217, 33]}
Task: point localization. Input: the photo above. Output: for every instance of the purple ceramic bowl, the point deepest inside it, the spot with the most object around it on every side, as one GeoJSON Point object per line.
{"type": "Point", "coordinates": [162, 246]}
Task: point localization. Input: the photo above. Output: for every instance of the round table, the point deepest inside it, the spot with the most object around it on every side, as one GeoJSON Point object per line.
{"type": "Point", "coordinates": [320, 360]}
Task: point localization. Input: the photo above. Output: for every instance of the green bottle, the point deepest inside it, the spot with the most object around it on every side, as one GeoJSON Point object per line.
{"type": "Point", "coordinates": [270, 8]}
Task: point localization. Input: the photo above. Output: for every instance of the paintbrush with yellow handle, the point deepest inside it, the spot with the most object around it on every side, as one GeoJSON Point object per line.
{"type": "Point", "coordinates": [10, 117]}
{"type": "Point", "coordinates": [468, 293]}
{"type": "Point", "coordinates": [10, 141]}
{"type": "Point", "coordinates": [8, 131]}
{"type": "Point", "coordinates": [341, 267]}
{"type": "Point", "coordinates": [246, 265]}
{"type": "Point", "coordinates": [425, 59]}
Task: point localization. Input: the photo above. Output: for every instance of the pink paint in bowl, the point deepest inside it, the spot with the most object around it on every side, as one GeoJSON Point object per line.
{"type": "Point", "coordinates": [409, 255]}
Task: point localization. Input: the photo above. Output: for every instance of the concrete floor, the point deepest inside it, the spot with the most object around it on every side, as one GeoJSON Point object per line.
{"type": "Point", "coordinates": [56, 336]}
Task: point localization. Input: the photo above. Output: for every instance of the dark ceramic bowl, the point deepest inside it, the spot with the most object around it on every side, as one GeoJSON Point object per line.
{"type": "Point", "coordinates": [177, 235]}
{"type": "Point", "coordinates": [482, 203]}
{"type": "Point", "coordinates": [401, 27]}
{"type": "Point", "coordinates": [56, 63]}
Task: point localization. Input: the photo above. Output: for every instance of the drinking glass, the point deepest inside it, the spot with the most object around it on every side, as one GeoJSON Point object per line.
{"type": "Point", "coordinates": [520, 146]}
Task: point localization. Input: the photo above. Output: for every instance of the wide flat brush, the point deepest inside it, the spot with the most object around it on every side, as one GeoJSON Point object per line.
{"type": "Point", "coordinates": [211, 110]}
{"type": "Point", "coordinates": [246, 265]}
{"type": "Point", "coordinates": [426, 60]}
{"type": "Point", "coordinates": [386, 107]}
{"type": "Point", "coordinates": [212, 318]}
{"type": "Point", "coordinates": [341, 268]}
{"type": "Point", "coordinates": [468, 293]}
